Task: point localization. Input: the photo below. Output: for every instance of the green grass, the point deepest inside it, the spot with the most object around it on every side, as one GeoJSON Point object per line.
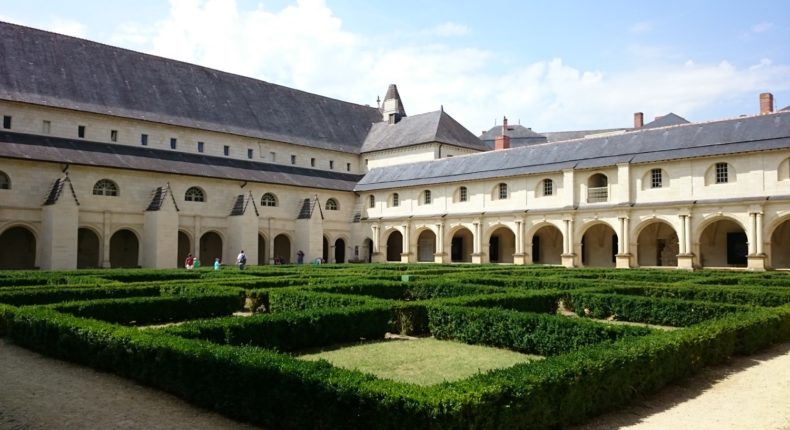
{"type": "Point", "coordinates": [424, 361]}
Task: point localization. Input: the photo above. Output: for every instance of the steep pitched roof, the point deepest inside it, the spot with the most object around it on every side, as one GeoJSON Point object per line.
{"type": "Point", "coordinates": [666, 120]}
{"type": "Point", "coordinates": [428, 127]}
{"type": "Point", "coordinates": [392, 94]}
{"type": "Point", "coordinates": [51, 69]}
{"type": "Point", "coordinates": [79, 152]}
{"type": "Point", "coordinates": [57, 190]}
{"type": "Point", "coordinates": [756, 133]}
{"type": "Point", "coordinates": [159, 198]}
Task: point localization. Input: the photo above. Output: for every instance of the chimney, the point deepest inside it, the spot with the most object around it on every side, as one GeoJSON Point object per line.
{"type": "Point", "coordinates": [766, 103]}
{"type": "Point", "coordinates": [503, 141]}
{"type": "Point", "coordinates": [639, 120]}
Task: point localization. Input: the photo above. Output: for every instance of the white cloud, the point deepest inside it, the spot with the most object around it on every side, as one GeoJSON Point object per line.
{"type": "Point", "coordinates": [305, 46]}
{"type": "Point", "coordinates": [763, 27]}
{"type": "Point", "coordinates": [449, 29]}
{"type": "Point", "coordinates": [67, 26]}
{"type": "Point", "coordinates": [641, 27]}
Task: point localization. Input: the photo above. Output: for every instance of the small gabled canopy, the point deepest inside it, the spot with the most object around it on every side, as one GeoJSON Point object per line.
{"type": "Point", "coordinates": [429, 127]}
{"type": "Point", "coordinates": [160, 196]}
{"type": "Point", "coordinates": [241, 204]}
{"type": "Point", "coordinates": [57, 190]}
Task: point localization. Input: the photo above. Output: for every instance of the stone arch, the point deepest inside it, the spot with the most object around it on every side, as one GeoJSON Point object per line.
{"type": "Point", "coordinates": [17, 248]}
{"type": "Point", "coordinates": [501, 244]}
{"type": "Point", "coordinates": [657, 244]}
{"type": "Point", "coordinates": [282, 248]}
{"type": "Point", "coordinates": [185, 248]}
{"type": "Point", "coordinates": [426, 245]}
{"type": "Point", "coordinates": [598, 245]}
{"type": "Point", "coordinates": [340, 250]}
{"type": "Point", "coordinates": [780, 244]}
{"type": "Point", "coordinates": [597, 188]}
{"type": "Point", "coordinates": [211, 247]}
{"type": "Point", "coordinates": [124, 249]}
{"type": "Point", "coordinates": [394, 245]}
{"type": "Point", "coordinates": [263, 257]}
{"type": "Point", "coordinates": [88, 248]}
{"type": "Point", "coordinates": [461, 245]}
{"type": "Point", "coordinates": [722, 243]}
{"type": "Point", "coordinates": [368, 249]}
{"type": "Point", "coordinates": [547, 244]}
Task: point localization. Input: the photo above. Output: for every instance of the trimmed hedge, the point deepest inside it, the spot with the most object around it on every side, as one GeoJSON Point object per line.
{"type": "Point", "coordinates": [20, 296]}
{"type": "Point", "coordinates": [770, 296]}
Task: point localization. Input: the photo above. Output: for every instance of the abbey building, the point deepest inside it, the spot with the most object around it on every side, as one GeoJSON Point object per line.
{"type": "Point", "coordinates": [113, 158]}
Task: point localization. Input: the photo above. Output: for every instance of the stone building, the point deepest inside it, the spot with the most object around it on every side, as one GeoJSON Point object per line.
{"type": "Point", "coordinates": [113, 158]}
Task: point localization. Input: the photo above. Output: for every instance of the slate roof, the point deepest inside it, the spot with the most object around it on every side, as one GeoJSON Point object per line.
{"type": "Point", "coordinates": [51, 69]}
{"type": "Point", "coordinates": [756, 133]}
{"type": "Point", "coordinates": [393, 94]}
{"type": "Point", "coordinates": [666, 120]}
{"type": "Point", "coordinates": [428, 127]}
{"type": "Point", "coordinates": [519, 136]}
{"type": "Point", "coordinates": [561, 136]}
{"type": "Point", "coordinates": [79, 152]}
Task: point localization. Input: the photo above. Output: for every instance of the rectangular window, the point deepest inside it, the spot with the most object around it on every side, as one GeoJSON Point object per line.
{"type": "Point", "coordinates": [722, 173]}
{"type": "Point", "coordinates": [427, 197]}
{"type": "Point", "coordinates": [201, 146]}
{"type": "Point", "coordinates": [366, 162]}
{"type": "Point", "coordinates": [348, 167]}
{"type": "Point", "coordinates": [463, 194]}
{"type": "Point", "coordinates": [6, 121]}
{"type": "Point", "coordinates": [81, 131]}
{"type": "Point", "coordinates": [46, 127]}
{"type": "Point", "coordinates": [144, 139]}
{"type": "Point", "coordinates": [656, 178]}
{"type": "Point", "coordinates": [548, 187]}
{"type": "Point", "coordinates": [249, 153]}
{"type": "Point", "coordinates": [312, 162]}
{"type": "Point", "coordinates": [293, 159]}
{"type": "Point", "coordinates": [114, 135]}
{"type": "Point", "coordinates": [173, 143]}
{"type": "Point", "coordinates": [502, 191]}
{"type": "Point", "coordinates": [226, 150]}
{"type": "Point", "coordinates": [332, 164]}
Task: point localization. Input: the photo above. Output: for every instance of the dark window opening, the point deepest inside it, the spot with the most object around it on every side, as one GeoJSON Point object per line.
{"type": "Point", "coordinates": [6, 121]}
{"type": "Point", "coordinates": [144, 139]}
{"type": "Point", "coordinates": [81, 131]}
{"type": "Point", "coordinates": [173, 143]}
{"type": "Point", "coordinates": [249, 153]}
{"type": "Point", "coordinates": [226, 150]}
{"type": "Point", "coordinates": [114, 135]}
{"type": "Point", "coordinates": [201, 146]}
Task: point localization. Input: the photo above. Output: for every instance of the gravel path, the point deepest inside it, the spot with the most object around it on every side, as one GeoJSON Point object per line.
{"type": "Point", "coordinates": [38, 392]}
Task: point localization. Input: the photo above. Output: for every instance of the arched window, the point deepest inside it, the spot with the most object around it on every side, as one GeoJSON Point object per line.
{"type": "Point", "coordinates": [463, 194]}
{"type": "Point", "coordinates": [372, 201]}
{"type": "Point", "coordinates": [269, 199]}
{"type": "Point", "coordinates": [548, 187]}
{"type": "Point", "coordinates": [331, 205]}
{"type": "Point", "coordinates": [502, 191]}
{"type": "Point", "coordinates": [597, 188]}
{"type": "Point", "coordinates": [5, 183]}
{"type": "Point", "coordinates": [105, 187]}
{"type": "Point", "coordinates": [395, 200]}
{"type": "Point", "coordinates": [194, 194]}
{"type": "Point", "coordinates": [426, 197]}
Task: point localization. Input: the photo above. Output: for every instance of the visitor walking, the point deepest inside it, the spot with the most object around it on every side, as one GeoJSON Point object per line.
{"type": "Point", "coordinates": [190, 262]}
{"type": "Point", "coordinates": [216, 263]}
{"type": "Point", "coordinates": [241, 260]}
{"type": "Point", "coordinates": [300, 257]}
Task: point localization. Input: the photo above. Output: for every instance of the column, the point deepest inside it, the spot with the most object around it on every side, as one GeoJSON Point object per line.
{"type": "Point", "coordinates": [405, 256]}
{"type": "Point", "coordinates": [375, 238]}
{"type": "Point", "coordinates": [519, 257]}
{"type": "Point", "coordinates": [477, 256]}
{"type": "Point", "coordinates": [756, 258]}
{"type": "Point", "coordinates": [685, 257]}
{"type": "Point", "coordinates": [438, 256]}
{"type": "Point", "coordinates": [760, 234]}
{"type": "Point", "coordinates": [568, 257]}
{"type": "Point", "coordinates": [687, 229]}
{"type": "Point", "coordinates": [623, 257]}
{"type": "Point", "coordinates": [682, 244]}
{"type": "Point", "coordinates": [621, 236]}
{"type": "Point", "coordinates": [107, 235]}
{"type": "Point", "coordinates": [752, 233]}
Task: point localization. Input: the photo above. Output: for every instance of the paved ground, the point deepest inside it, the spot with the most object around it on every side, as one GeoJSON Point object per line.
{"type": "Point", "coordinates": [37, 392]}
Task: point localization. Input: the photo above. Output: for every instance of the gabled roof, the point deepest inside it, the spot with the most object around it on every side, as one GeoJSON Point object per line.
{"type": "Point", "coordinates": [159, 198]}
{"type": "Point", "coordinates": [561, 136]}
{"type": "Point", "coordinates": [756, 133]}
{"type": "Point", "coordinates": [392, 94]}
{"type": "Point", "coordinates": [57, 190]}
{"type": "Point", "coordinates": [79, 152]}
{"type": "Point", "coordinates": [519, 136]}
{"type": "Point", "coordinates": [428, 127]}
{"type": "Point", "coordinates": [51, 69]}
{"type": "Point", "coordinates": [786, 109]}
{"type": "Point", "coordinates": [666, 120]}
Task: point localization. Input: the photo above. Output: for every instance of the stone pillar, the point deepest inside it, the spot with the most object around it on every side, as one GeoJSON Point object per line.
{"type": "Point", "coordinates": [568, 256]}
{"type": "Point", "coordinates": [107, 227]}
{"type": "Point", "coordinates": [477, 255]}
{"type": "Point", "coordinates": [439, 256]}
{"type": "Point", "coordinates": [686, 257]}
{"type": "Point", "coordinates": [520, 257]}
{"type": "Point", "coordinates": [623, 257]}
{"type": "Point", "coordinates": [160, 238]}
{"type": "Point", "coordinates": [756, 258]}
{"type": "Point", "coordinates": [405, 256]}
{"type": "Point", "coordinates": [58, 242]}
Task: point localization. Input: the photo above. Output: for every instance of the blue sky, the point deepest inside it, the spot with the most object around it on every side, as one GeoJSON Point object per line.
{"type": "Point", "coordinates": [550, 65]}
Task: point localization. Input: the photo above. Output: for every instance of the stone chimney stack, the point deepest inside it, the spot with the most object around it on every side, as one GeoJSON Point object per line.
{"type": "Point", "coordinates": [766, 103]}
{"type": "Point", "coordinates": [502, 141]}
{"type": "Point", "coordinates": [639, 120]}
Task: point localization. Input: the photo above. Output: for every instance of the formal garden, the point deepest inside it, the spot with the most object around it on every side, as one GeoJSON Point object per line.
{"type": "Point", "coordinates": [398, 346]}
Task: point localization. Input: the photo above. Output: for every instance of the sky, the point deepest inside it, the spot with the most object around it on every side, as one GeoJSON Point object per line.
{"type": "Point", "coordinates": [550, 65]}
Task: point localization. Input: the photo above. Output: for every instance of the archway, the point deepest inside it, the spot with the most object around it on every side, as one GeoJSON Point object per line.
{"type": "Point", "coordinates": [426, 246]}
{"type": "Point", "coordinates": [501, 246]}
{"type": "Point", "coordinates": [262, 257]}
{"type": "Point", "coordinates": [394, 246]}
{"type": "Point", "coordinates": [547, 245]}
{"type": "Point", "coordinates": [17, 249]}
{"type": "Point", "coordinates": [599, 246]}
{"type": "Point", "coordinates": [340, 251]}
{"type": "Point", "coordinates": [780, 246]}
{"type": "Point", "coordinates": [124, 249]}
{"type": "Point", "coordinates": [723, 244]}
{"type": "Point", "coordinates": [282, 248]}
{"type": "Point", "coordinates": [185, 248]}
{"type": "Point", "coordinates": [657, 245]}
{"type": "Point", "coordinates": [462, 246]}
{"type": "Point", "coordinates": [87, 249]}
{"type": "Point", "coordinates": [325, 250]}
{"type": "Point", "coordinates": [211, 248]}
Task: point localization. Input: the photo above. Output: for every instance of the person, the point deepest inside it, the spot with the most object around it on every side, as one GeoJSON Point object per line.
{"type": "Point", "coordinates": [300, 257]}
{"type": "Point", "coordinates": [197, 263]}
{"type": "Point", "coordinates": [216, 263]}
{"type": "Point", "coordinates": [241, 260]}
{"type": "Point", "coordinates": [190, 262]}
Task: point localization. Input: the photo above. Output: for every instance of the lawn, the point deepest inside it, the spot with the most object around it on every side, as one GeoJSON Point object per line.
{"type": "Point", "coordinates": [424, 361]}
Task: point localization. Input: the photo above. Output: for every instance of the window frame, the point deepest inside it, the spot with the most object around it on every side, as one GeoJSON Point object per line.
{"type": "Point", "coordinates": [106, 187]}
{"type": "Point", "coordinates": [269, 200]}
{"type": "Point", "coordinates": [721, 173]}
{"type": "Point", "coordinates": [548, 187]}
{"type": "Point", "coordinates": [371, 201]}
{"type": "Point", "coordinates": [656, 178]}
{"type": "Point", "coordinates": [395, 199]}
{"type": "Point", "coordinates": [463, 194]}
{"type": "Point", "coordinates": [5, 181]}
{"type": "Point", "coordinates": [195, 194]}
{"type": "Point", "coordinates": [427, 198]}
{"type": "Point", "coordinates": [332, 205]}
{"type": "Point", "coordinates": [502, 191]}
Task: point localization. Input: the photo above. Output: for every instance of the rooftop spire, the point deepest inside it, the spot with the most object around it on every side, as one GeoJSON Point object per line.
{"type": "Point", "coordinates": [392, 107]}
